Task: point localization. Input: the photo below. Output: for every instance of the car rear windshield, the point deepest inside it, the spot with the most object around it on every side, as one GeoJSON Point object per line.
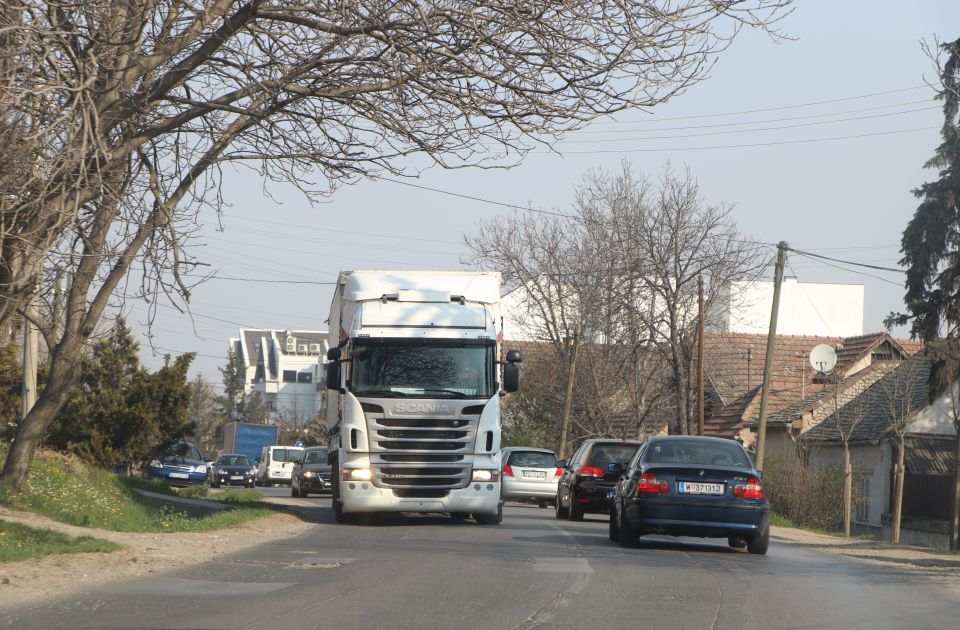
{"type": "Point", "coordinates": [697, 453]}
{"type": "Point", "coordinates": [234, 460]}
{"type": "Point", "coordinates": [532, 459]}
{"type": "Point", "coordinates": [603, 454]}
{"type": "Point", "coordinates": [286, 454]}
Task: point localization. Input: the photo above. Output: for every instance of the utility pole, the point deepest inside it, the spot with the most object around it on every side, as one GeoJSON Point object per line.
{"type": "Point", "coordinates": [700, 355]}
{"type": "Point", "coordinates": [568, 399]}
{"type": "Point", "coordinates": [28, 388]}
{"type": "Point", "coordinates": [771, 346]}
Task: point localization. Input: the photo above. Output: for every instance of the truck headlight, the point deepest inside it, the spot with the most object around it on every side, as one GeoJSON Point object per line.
{"type": "Point", "coordinates": [484, 474]}
{"type": "Point", "coordinates": [357, 474]}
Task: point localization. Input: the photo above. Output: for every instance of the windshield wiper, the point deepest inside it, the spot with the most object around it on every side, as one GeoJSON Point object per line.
{"type": "Point", "coordinates": [380, 393]}
{"type": "Point", "coordinates": [454, 393]}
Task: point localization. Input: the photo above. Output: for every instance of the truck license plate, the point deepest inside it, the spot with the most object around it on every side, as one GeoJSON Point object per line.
{"type": "Point", "coordinates": [691, 487]}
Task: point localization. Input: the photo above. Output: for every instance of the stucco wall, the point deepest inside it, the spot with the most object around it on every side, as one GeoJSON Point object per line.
{"type": "Point", "coordinates": [807, 308]}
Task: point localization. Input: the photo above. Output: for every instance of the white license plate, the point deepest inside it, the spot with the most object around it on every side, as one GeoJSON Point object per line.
{"type": "Point", "coordinates": [236, 478]}
{"type": "Point", "coordinates": [180, 475]}
{"type": "Point", "coordinates": [535, 474]}
{"type": "Point", "coordinates": [691, 487]}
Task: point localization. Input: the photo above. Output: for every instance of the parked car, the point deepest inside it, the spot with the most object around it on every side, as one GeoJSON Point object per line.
{"type": "Point", "coordinates": [232, 469]}
{"type": "Point", "coordinates": [690, 486]}
{"type": "Point", "coordinates": [180, 464]}
{"type": "Point", "coordinates": [529, 474]}
{"type": "Point", "coordinates": [311, 472]}
{"type": "Point", "coordinates": [586, 481]}
{"type": "Point", "coordinates": [276, 464]}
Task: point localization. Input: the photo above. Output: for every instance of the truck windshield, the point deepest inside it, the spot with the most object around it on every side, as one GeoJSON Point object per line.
{"type": "Point", "coordinates": [423, 371]}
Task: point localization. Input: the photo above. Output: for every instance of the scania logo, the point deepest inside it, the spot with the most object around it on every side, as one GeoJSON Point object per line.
{"type": "Point", "coordinates": [413, 407]}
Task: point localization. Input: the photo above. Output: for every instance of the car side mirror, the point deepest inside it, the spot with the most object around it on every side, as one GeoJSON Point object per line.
{"type": "Point", "coordinates": [562, 463]}
{"type": "Point", "coordinates": [615, 468]}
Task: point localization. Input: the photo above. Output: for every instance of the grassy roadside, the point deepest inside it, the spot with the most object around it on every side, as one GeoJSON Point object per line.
{"type": "Point", "coordinates": [780, 521]}
{"type": "Point", "coordinates": [19, 542]}
{"type": "Point", "coordinates": [65, 489]}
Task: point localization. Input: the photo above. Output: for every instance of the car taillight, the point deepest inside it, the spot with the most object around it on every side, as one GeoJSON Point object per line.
{"type": "Point", "coordinates": [559, 473]}
{"type": "Point", "coordinates": [507, 471]}
{"type": "Point", "coordinates": [590, 471]}
{"type": "Point", "coordinates": [750, 490]}
{"type": "Point", "coordinates": [649, 484]}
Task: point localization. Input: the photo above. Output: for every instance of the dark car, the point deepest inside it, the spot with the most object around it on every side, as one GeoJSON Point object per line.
{"type": "Point", "coordinates": [691, 486]}
{"type": "Point", "coordinates": [586, 481]}
{"type": "Point", "coordinates": [180, 464]}
{"type": "Point", "coordinates": [232, 469]}
{"type": "Point", "coordinates": [311, 473]}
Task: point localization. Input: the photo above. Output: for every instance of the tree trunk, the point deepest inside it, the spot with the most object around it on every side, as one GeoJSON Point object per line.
{"type": "Point", "coordinates": [847, 489]}
{"type": "Point", "coordinates": [897, 495]}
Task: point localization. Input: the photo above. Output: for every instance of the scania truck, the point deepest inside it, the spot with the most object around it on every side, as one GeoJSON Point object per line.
{"type": "Point", "coordinates": [414, 381]}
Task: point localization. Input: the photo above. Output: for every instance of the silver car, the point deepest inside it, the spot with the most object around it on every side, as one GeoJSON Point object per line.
{"type": "Point", "coordinates": [529, 474]}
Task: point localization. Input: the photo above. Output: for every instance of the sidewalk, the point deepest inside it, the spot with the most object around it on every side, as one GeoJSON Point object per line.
{"type": "Point", "coordinates": [924, 559]}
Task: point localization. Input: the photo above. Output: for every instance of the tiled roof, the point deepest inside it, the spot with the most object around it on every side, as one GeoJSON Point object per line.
{"type": "Point", "coordinates": [728, 421]}
{"type": "Point", "coordinates": [870, 416]}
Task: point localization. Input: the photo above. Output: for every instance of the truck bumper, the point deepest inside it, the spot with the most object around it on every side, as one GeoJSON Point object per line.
{"type": "Point", "coordinates": [476, 498]}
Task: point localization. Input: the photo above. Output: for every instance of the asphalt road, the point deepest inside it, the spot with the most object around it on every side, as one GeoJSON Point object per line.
{"type": "Point", "coordinates": [530, 572]}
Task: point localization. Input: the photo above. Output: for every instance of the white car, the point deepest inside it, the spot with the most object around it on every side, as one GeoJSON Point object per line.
{"type": "Point", "coordinates": [529, 474]}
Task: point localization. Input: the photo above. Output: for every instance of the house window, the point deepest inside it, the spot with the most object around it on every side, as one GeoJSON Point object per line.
{"type": "Point", "coordinates": [289, 376]}
{"type": "Point", "coordinates": [304, 377]}
{"type": "Point", "coordinates": [862, 507]}
{"type": "Point", "coordinates": [269, 405]}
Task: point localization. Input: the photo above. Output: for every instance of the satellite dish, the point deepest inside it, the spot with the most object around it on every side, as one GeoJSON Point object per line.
{"type": "Point", "coordinates": [823, 358]}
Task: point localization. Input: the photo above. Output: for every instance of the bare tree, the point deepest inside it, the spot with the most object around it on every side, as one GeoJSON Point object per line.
{"type": "Point", "coordinates": [846, 419]}
{"type": "Point", "coordinates": [902, 393]}
{"type": "Point", "coordinates": [621, 266]}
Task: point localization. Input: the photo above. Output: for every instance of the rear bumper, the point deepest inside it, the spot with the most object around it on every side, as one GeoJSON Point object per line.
{"type": "Point", "coordinates": [592, 495]}
{"type": "Point", "coordinates": [708, 519]}
{"type": "Point", "coordinates": [476, 498]}
{"type": "Point", "coordinates": [519, 489]}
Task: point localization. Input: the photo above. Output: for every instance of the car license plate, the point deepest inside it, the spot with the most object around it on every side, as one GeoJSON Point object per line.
{"type": "Point", "coordinates": [179, 475]}
{"type": "Point", "coordinates": [535, 474]}
{"type": "Point", "coordinates": [236, 478]}
{"type": "Point", "coordinates": [691, 487]}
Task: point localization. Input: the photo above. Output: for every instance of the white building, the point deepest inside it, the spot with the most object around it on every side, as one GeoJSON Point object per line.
{"type": "Point", "coordinates": [807, 308]}
{"type": "Point", "coordinates": [286, 368]}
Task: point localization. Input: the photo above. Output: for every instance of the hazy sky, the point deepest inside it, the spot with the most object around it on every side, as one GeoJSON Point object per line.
{"type": "Point", "coordinates": [847, 197]}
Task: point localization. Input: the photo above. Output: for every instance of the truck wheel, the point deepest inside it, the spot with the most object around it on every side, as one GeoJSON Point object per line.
{"type": "Point", "coordinates": [491, 519]}
{"type": "Point", "coordinates": [338, 514]}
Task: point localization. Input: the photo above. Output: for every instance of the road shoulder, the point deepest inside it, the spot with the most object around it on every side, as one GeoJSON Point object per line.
{"type": "Point", "coordinates": [28, 581]}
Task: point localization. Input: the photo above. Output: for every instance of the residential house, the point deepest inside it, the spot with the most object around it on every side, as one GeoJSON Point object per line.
{"type": "Point", "coordinates": [286, 368]}
{"type": "Point", "coordinates": [901, 397]}
{"type": "Point", "coordinates": [734, 365]}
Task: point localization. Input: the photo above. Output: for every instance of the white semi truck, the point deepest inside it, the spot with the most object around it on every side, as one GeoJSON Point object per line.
{"type": "Point", "coordinates": [414, 383]}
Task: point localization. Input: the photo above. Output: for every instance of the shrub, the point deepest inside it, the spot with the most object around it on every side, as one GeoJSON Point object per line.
{"type": "Point", "coordinates": [805, 495]}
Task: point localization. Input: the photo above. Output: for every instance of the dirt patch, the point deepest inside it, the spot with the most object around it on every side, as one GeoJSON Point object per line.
{"type": "Point", "coordinates": [143, 554]}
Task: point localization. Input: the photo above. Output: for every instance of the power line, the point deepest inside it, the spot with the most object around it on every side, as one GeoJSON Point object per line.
{"type": "Point", "coordinates": [743, 146]}
{"type": "Point", "coordinates": [848, 270]}
{"type": "Point", "coordinates": [782, 107]}
{"type": "Point", "coordinates": [264, 281]}
{"type": "Point", "coordinates": [462, 196]}
{"type": "Point", "coordinates": [847, 262]}
{"type": "Point", "coordinates": [339, 231]}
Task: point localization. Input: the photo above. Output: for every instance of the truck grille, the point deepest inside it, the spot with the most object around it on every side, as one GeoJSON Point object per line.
{"type": "Point", "coordinates": [421, 457]}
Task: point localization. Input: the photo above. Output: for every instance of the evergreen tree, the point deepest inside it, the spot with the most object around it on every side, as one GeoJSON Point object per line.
{"type": "Point", "coordinates": [231, 403]}
{"type": "Point", "coordinates": [931, 241]}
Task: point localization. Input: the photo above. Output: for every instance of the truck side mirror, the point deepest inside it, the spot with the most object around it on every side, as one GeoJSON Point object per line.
{"type": "Point", "coordinates": [511, 377]}
{"type": "Point", "coordinates": [333, 354]}
{"type": "Point", "coordinates": [514, 356]}
{"type": "Point", "coordinates": [333, 375]}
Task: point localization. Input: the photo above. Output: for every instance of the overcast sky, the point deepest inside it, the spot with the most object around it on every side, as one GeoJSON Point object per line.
{"type": "Point", "coordinates": [837, 126]}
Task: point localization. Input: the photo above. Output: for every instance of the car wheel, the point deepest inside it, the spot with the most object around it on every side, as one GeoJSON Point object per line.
{"type": "Point", "coordinates": [736, 542]}
{"type": "Point", "coordinates": [757, 545]}
{"type": "Point", "coordinates": [575, 509]}
{"type": "Point", "coordinates": [627, 536]}
{"type": "Point", "coordinates": [614, 528]}
{"type": "Point", "coordinates": [491, 519]}
{"type": "Point", "coordinates": [560, 511]}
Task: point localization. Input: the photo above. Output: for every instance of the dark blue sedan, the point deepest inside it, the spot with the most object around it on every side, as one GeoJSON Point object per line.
{"type": "Point", "coordinates": [690, 486]}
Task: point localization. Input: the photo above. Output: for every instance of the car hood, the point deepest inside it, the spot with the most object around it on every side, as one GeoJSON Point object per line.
{"type": "Point", "coordinates": [234, 468]}
{"type": "Point", "coordinates": [182, 461]}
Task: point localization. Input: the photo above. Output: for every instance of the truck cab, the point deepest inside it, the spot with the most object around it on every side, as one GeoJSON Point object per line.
{"type": "Point", "coordinates": [414, 378]}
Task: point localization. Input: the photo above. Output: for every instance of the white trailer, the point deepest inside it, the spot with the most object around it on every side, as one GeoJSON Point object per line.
{"type": "Point", "coordinates": [414, 383]}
